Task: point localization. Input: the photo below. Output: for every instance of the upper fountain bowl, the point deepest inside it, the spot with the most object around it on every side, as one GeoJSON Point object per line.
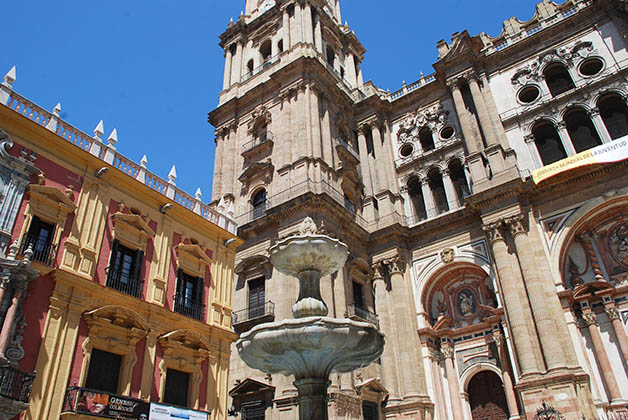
{"type": "Point", "coordinates": [308, 251]}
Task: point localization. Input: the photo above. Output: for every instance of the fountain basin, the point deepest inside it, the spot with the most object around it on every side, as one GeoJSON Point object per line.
{"type": "Point", "coordinates": [311, 347]}
{"type": "Point", "coordinates": [308, 252]}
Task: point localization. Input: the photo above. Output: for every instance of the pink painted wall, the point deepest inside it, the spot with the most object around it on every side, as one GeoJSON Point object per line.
{"type": "Point", "coordinates": [136, 376]}
{"type": "Point", "coordinates": [37, 301]}
{"type": "Point", "coordinates": [202, 398]}
{"type": "Point", "coordinates": [159, 356]}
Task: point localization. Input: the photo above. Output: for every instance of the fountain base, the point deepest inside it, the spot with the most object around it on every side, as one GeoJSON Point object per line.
{"type": "Point", "coordinates": [312, 398]}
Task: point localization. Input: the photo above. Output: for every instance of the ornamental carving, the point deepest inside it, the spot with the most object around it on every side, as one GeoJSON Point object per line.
{"type": "Point", "coordinates": [568, 55]}
{"type": "Point", "coordinates": [589, 318]}
{"type": "Point", "coordinates": [447, 255]}
{"type": "Point", "coordinates": [447, 350]}
{"type": "Point", "coordinates": [261, 115]}
{"type": "Point", "coordinates": [516, 224]}
{"type": "Point", "coordinates": [434, 118]}
{"type": "Point", "coordinates": [466, 303]}
{"type": "Point", "coordinates": [493, 231]}
{"type": "Point", "coordinates": [618, 244]}
{"type": "Point", "coordinates": [612, 313]}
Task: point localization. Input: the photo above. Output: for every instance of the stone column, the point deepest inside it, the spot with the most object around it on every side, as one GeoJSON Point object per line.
{"type": "Point", "coordinates": [308, 30]}
{"type": "Point", "coordinates": [516, 303]}
{"type": "Point", "coordinates": [236, 68]}
{"type": "Point", "coordinates": [350, 67]}
{"type": "Point", "coordinates": [428, 198]}
{"type": "Point", "coordinates": [326, 135]}
{"type": "Point", "coordinates": [382, 310]}
{"type": "Point", "coordinates": [504, 360]}
{"type": "Point", "coordinates": [9, 321]}
{"type": "Point", "coordinates": [411, 374]}
{"type": "Point", "coordinates": [466, 124]}
{"type": "Point", "coordinates": [218, 177]}
{"type": "Point", "coordinates": [379, 172]}
{"type": "Point", "coordinates": [606, 369]}
{"type": "Point", "coordinates": [534, 151]}
{"type": "Point", "coordinates": [286, 29]}
{"type": "Point", "coordinates": [318, 35]}
{"type": "Point", "coordinates": [540, 303]}
{"type": "Point", "coordinates": [447, 349]}
{"type": "Point", "coordinates": [391, 173]}
{"type": "Point", "coordinates": [450, 191]}
{"type": "Point", "coordinates": [561, 127]}
{"type": "Point", "coordinates": [364, 158]}
{"type": "Point", "coordinates": [483, 114]}
{"type": "Point", "coordinates": [315, 122]}
{"type": "Point", "coordinates": [226, 80]}
{"type": "Point", "coordinates": [599, 125]}
{"type": "Point", "coordinates": [613, 314]}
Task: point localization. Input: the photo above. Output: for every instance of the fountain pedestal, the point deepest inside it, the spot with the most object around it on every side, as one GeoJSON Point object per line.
{"type": "Point", "coordinates": [311, 346]}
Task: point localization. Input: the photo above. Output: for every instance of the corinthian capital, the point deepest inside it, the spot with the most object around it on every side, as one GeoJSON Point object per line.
{"type": "Point", "coordinates": [447, 350]}
{"type": "Point", "coordinates": [493, 231]}
{"type": "Point", "coordinates": [395, 264]}
{"type": "Point", "coordinates": [589, 318]}
{"type": "Point", "coordinates": [516, 224]}
{"type": "Point", "coordinates": [612, 312]}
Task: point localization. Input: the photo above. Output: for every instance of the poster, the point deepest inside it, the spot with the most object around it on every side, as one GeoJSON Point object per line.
{"type": "Point", "coordinates": [614, 151]}
{"type": "Point", "coordinates": [102, 404]}
{"type": "Point", "coordinates": [165, 412]}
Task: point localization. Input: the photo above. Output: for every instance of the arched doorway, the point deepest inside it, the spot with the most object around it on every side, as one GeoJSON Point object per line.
{"type": "Point", "coordinates": [486, 397]}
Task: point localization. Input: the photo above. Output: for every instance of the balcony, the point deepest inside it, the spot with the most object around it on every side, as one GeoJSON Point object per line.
{"type": "Point", "coordinates": [44, 251]}
{"type": "Point", "coordinates": [15, 391]}
{"type": "Point", "coordinates": [267, 63]}
{"type": "Point", "coordinates": [245, 319]}
{"type": "Point", "coordinates": [188, 307]}
{"type": "Point", "coordinates": [125, 284]}
{"type": "Point", "coordinates": [358, 314]}
{"type": "Point", "coordinates": [260, 143]}
{"type": "Point", "coordinates": [346, 151]}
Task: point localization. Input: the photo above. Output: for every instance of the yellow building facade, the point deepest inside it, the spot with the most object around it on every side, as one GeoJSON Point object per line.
{"type": "Point", "coordinates": [129, 310]}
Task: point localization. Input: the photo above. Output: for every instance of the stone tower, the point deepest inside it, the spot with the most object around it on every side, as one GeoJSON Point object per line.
{"type": "Point", "coordinates": [287, 148]}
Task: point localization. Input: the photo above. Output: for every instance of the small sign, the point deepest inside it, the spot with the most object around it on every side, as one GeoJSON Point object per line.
{"type": "Point", "coordinates": [615, 151]}
{"type": "Point", "coordinates": [165, 412]}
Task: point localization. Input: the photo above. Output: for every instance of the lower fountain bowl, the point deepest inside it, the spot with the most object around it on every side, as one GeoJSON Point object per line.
{"type": "Point", "coordinates": [311, 347]}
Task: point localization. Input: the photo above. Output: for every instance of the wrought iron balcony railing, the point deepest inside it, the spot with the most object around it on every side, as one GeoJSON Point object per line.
{"type": "Point", "coordinates": [129, 285]}
{"type": "Point", "coordinates": [354, 311]}
{"type": "Point", "coordinates": [44, 251]}
{"type": "Point", "coordinates": [15, 384]}
{"type": "Point", "coordinates": [253, 312]}
{"type": "Point", "coordinates": [188, 307]}
{"type": "Point", "coordinates": [258, 140]}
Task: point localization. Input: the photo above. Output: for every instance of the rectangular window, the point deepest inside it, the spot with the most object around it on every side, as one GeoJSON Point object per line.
{"type": "Point", "coordinates": [254, 410]}
{"type": "Point", "coordinates": [358, 295]}
{"type": "Point", "coordinates": [189, 295]}
{"type": "Point", "coordinates": [39, 238]}
{"type": "Point", "coordinates": [104, 371]}
{"type": "Point", "coordinates": [125, 269]}
{"type": "Point", "coordinates": [370, 410]}
{"type": "Point", "coordinates": [257, 292]}
{"type": "Point", "coordinates": [176, 390]}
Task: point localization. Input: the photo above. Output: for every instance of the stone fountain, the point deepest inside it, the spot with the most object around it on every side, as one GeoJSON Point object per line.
{"type": "Point", "coordinates": [311, 346]}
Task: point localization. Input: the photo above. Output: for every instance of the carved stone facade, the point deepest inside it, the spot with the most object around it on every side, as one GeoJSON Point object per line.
{"type": "Point", "coordinates": [482, 272]}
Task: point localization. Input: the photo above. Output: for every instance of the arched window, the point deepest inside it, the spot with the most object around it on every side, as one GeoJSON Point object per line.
{"type": "Point", "coordinates": [557, 78]}
{"type": "Point", "coordinates": [265, 50]}
{"type": "Point", "coordinates": [456, 172]}
{"type": "Point", "coordinates": [435, 181]}
{"type": "Point", "coordinates": [416, 199]}
{"type": "Point", "coordinates": [259, 204]}
{"type": "Point", "coordinates": [548, 142]}
{"type": "Point", "coordinates": [331, 55]}
{"type": "Point", "coordinates": [426, 139]}
{"type": "Point", "coordinates": [249, 67]}
{"type": "Point", "coordinates": [614, 112]}
{"type": "Point", "coordinates": [280, 46]}
{"type": "Point", "coordinates": [581, 130]}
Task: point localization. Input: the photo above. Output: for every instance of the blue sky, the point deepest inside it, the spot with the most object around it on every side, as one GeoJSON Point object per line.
{"type": "Point", "coordinates": [153, 68]}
